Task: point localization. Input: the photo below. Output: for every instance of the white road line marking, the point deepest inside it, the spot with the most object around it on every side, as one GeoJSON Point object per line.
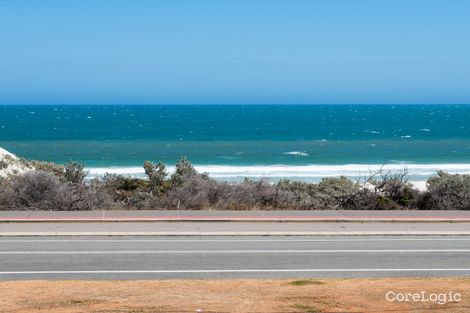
{"type": "Point", "coordinates": [228, 234]}
{"type": "Point", "coordinates": [328, 270]}
{"type": "Point", "coordinates": [239, 251]}
{"type": "Point", "coordinates": [224, 240]}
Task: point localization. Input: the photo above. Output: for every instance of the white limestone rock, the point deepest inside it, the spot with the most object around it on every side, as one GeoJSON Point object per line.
{"type": "Point", "coordinates": [10, 164]}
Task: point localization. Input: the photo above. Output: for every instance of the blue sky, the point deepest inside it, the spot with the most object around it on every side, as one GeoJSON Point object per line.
{"type": "Point", "coordinates": [234, 51]}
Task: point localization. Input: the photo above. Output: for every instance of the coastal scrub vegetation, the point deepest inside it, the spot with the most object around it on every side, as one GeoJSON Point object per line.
{"type": "Point", "coordinates": [66, 187]}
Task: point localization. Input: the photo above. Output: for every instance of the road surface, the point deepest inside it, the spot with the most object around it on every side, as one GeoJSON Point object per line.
{"type": "Point", "coordinates": [232, 257]}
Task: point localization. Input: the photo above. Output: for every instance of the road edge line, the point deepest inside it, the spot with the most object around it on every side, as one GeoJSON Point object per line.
{"type": "Point", "coordinates": [235, 233]}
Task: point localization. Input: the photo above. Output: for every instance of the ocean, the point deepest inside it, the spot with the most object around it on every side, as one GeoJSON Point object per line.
{"type": "Point", "coordinates": [230, 142]}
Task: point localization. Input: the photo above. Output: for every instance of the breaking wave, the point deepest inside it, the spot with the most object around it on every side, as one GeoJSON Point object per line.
{"type": "Point", "coordinates": [418, 173]}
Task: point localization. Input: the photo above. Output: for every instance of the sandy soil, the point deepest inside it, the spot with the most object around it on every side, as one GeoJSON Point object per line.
{"type": "Point", "coordinates": [348, 295]}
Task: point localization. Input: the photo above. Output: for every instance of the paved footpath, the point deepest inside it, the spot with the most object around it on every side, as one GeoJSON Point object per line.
{"type": "Point", "coordinates": [228, 223]}
{"type": "Point", "coordinates": [276, 216]}
{"type": "Point", "coordinates": [208, 228]}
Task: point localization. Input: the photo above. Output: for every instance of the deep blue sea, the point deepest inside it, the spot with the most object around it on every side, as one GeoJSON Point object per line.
{"type": "Point", "coordinates": [233, 141]}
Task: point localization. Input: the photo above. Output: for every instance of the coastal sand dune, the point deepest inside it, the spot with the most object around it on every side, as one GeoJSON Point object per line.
{"type": "Point", "coordinates": [10, 164]}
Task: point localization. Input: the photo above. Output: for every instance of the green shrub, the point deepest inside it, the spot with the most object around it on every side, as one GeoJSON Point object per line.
{"type": "Point", "coordinates": [183, 170]}
{"type": "Point", "coordinates": [56, 169]}
{"type": "Point", "coordinates": [157, 176]}
{"type": "Point", "coordinates": [74, 173]}
{"type": "Point", "coordinates": [448, 192]}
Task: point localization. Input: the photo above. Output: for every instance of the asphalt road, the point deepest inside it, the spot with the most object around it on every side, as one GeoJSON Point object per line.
{"type": "Point", "coordinates": [232, 257]}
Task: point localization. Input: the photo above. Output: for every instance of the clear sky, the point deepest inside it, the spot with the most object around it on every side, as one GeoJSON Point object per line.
{"type": "Point", "coordinates": [234, 51]}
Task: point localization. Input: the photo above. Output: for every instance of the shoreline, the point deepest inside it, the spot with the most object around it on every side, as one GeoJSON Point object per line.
{"type": "Point", "coordinates": [313, 173]}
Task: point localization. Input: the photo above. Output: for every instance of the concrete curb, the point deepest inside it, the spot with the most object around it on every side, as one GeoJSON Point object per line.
{"type": "Point", "coordinates": [235, 233]}
{"type": "Point", "coordinates": [234, 219]}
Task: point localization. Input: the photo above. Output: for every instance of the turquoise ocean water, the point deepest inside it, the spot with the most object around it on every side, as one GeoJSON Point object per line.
{"type": "Point", "coordinates": [304, 142]}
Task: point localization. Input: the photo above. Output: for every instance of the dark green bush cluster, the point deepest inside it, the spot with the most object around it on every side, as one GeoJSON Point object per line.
{"type": "Point", "coordinates": [65, 187]}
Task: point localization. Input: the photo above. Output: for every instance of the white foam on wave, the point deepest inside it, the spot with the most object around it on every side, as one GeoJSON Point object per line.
{"type": "Point", "coordinates": [300, 153]}
{"type": "Point", "coordinates": [418, 173]}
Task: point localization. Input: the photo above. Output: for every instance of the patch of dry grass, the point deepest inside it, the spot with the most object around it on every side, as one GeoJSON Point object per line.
{"type": "Point", "coordinates": [303, 282]}
{"type": "Point", "coordinates": [306, 296]}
